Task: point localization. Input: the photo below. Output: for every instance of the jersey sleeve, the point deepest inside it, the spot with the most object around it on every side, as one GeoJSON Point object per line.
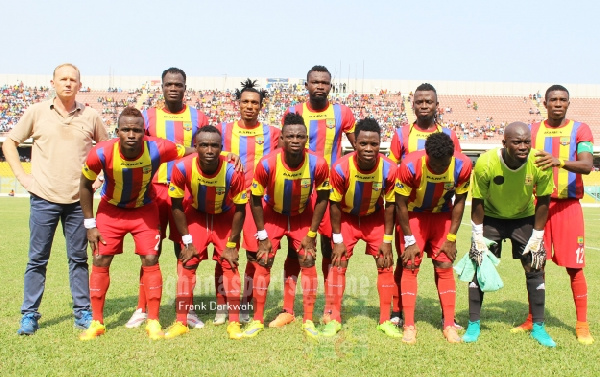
{"type": "Point", "coordinates": [322, 176]}
{"type": "Point", "coordinates": [24, 127]}
{"type": "Point", "coordinates": [463, 182]}
{"type": "Point", "coordinates": [455, 141]}
{"type": "Point", "coordinates": [261, 178]}
{"type": "Point", "coordinates": [585, 139]}
{"type": "Point", "coordinates": [93, 165]}
{"type": "Point", "coordinates": [284, 114]}
{"type": "Point", "coordinates": [275, 135]}
{"type": "Point", "coordinates": [404, 186]}
{"type": "Point", "coordinates": [395, 147]}
{"type": "Point", "coordinates": [481, 179]}
{"type": "Point", "coordinates": [545, 183]}
{"type": "Point", "coordinates": [348, 120]}
{"type": "Point", "coordinates": [178, 181]}
{"type": "Point", "coordinates": [390, 185]}
{"type": "Point", "coordinates": [170, 151]}
{"type": "Point", "coordinates": [237, 189]}
{"type": "Point", "coordinates": [337, 182]}
{"type": "Point", "coordinates": [202, 119]}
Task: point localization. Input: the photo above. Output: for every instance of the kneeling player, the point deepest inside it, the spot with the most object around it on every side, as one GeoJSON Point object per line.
{"type": "Point", "coordinates": [215, 215]}
{"type": "Point", "coordinates": [129, 163]}
{"type": "Point", "coordinates": [429, 221]}
{"type": "Point", "coordinates": [360, 181]}
{"type": "Point", "coordinates": [286, 178]}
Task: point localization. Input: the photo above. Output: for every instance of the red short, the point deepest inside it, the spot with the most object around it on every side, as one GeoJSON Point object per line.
{"type": "Point", "coordinates": [564, 236]}
{"type": "Point", "coordinates": [163, 200]}
{"type": "Point", "coordinates": [250, 242]}
{"type": "Point", "coordinates": [368, 228]}
{"type": "Point", "coordinates": [278, 225]}
{"type": "Point", "coordinates": [430, 231]}
{"type": "Point", "coordinates": [325, 225]}
{"type": "Point", "coordinates": [206, 229]}
{"type": "Point", "coordinates": [114, 223]}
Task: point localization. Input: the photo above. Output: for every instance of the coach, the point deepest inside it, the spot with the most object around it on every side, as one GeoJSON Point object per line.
{"type": "Point", "coordinates": [62, 131]}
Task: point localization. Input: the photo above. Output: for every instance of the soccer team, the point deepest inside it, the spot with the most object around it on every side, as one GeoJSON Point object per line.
{"type": "Point", "coordinates": [249, 184]}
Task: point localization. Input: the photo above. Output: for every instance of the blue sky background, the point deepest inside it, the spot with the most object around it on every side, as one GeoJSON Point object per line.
{"type": "Point", "coordinates": [516, 41]}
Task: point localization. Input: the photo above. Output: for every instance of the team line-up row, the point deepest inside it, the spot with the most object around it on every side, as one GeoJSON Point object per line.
{"type": "Point", "coordinates": [296, 183]}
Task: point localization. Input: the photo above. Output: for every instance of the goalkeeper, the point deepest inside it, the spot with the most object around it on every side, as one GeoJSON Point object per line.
{"type": "Point", "coordinates": [504, 182]}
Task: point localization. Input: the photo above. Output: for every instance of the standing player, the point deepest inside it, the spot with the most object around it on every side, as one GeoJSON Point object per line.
{"type": "Point", "coordinates": [427, 182]}
{"type": "Point", "coordinates": [504, 182]}
{"type": "Point", "coordinates": [63, 131]}
{"type": "Point", "coordinates": [127, 206]}
{"type": "Point", "coordinates": [178, 123]}
{"type": "Point", "coordinates": [286, 179]}
{"type": "Point", "coordinates": [215, 215]}
{"type": "Point", "coordinates": [325, 122]}
{"type": "Point", "coordinates": [250, 140]}
{"type": "Point", "coordinates": [408, 139]}
{"type": "Point", "coordinates": [567, 147]}
{"type": "Point", "coordinates": [360, 182]}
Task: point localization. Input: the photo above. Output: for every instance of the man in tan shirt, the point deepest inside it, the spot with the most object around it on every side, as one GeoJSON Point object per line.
{"type": "Point", "coordinates": [63, 131]}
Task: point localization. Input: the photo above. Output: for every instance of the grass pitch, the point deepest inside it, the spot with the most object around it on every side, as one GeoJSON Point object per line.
{"type": "Point", "coordinates": [358, 350]}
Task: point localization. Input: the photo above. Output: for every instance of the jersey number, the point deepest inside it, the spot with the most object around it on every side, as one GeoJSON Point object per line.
{"type": "Point", "coordinates": [579, 255]}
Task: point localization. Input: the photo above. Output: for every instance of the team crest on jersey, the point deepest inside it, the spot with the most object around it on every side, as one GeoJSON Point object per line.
{"type": "Point", "coordinates": [305, 183]}
{"type": "Point", "coordinates": [448, 186]}
{"type": "Point", "coordinates": [172, 188]}
{"type": "Point", "coordinates": [330, 123]}
{"type": "Point", "coordinates": [376, 186]}
{"type": "Point", "coordinates": [528, 179]}
{"type": "Point", "coordinates": [187, 126]}
{"type": "Point", "coordinates": [220, 190]}
{"type": "Point", "coordinates": [244, 195]}
{"type": "Point", "coordinates": [580, 241]}
{"type": "Point", "coordinates": [399, 185]}
{"type": "Point", "coordinates": [565, 141]}
{"type": "Point", "coordinates": [260, 140]}
{"type": "Point", "coordinates": [254, 185]}
{"type": "Point", "coordinates": [147, 169]}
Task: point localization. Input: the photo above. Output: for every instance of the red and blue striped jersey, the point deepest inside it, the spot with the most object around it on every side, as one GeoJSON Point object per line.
{"type": "Point", "coordinates": [430, 192]}
{"type": "Point", "coordinates": [251, 144]}
{"type": "Point", "coordinates": [325, 128]}
{"type": "Point", "coordinates": [562, 142]}
{"type": "Point", "coordinates": [211, 193]}
{"type": "Point", "coordinates": [179, 128]}
{"type": "Point", "coordinates": [411, 138]}
{"type": "Point", "coordinates": [288, 190]}
{"type": "Point", "coordinates": [127, 183]}
{"type": "Point", "coordinates": [360, 192]}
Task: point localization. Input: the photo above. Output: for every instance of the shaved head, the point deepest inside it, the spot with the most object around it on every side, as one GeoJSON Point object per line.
{"type": "Point", "coordinates": [516, 128]}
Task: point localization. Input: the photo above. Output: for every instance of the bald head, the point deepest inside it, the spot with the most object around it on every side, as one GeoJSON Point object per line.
{"type": "Point", "coordinates": [516, 129]}
{"type": "Point", "coordinates": [517, 144]}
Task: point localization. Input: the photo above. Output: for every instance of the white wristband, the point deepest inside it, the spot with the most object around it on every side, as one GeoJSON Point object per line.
{"type": "Point", "coordinates": [89, 223]}
{"type": "Point", "coordinates": [337, 238]}
{"type": "Point", "coordinates": [409, 240]}
{"type": "Point", "coordinates": [537, 234]}
{"type": "Point", "coordinates": [186, 239]}
{"type": "Point", "coordinates": [261, 235]}
{"type": "Point", "coordinates": [477, 228]}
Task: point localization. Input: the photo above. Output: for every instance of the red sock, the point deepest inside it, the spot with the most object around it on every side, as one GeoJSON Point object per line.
{"type": "Point", "coordinates": [446, 285]}
{"type": "Point", "coordinates": [309, 283]}
{"type": "Point", "coordinates": [291, 270]}
{"type": "Point", "coordinates": [142, 293]}
{"type": "Point", "coordinates": [248, 277]}
{"type": "Point", "coordinates": [186, 281]}
{"type": "Point", "coordinates": [153, 287]}
{"type": "Point", "coordinates": [99, 283]}
{"type": "Point", "coordinates": [397, 299]}
{"type": "Point", "coordinates": [231, 286]}
{"type": "Point", "coordinates": [579, 288]}
{"type": "Point", "coordinates": [386, 288]}
{"type": "Point", "coordinates": [409, 295]}
{"type": "Point", "coordinates": [262, 278]}
{"type": "Point", "coordinates": [336, 283]}
{"type": "Point", "coordinates": [219, 287]}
